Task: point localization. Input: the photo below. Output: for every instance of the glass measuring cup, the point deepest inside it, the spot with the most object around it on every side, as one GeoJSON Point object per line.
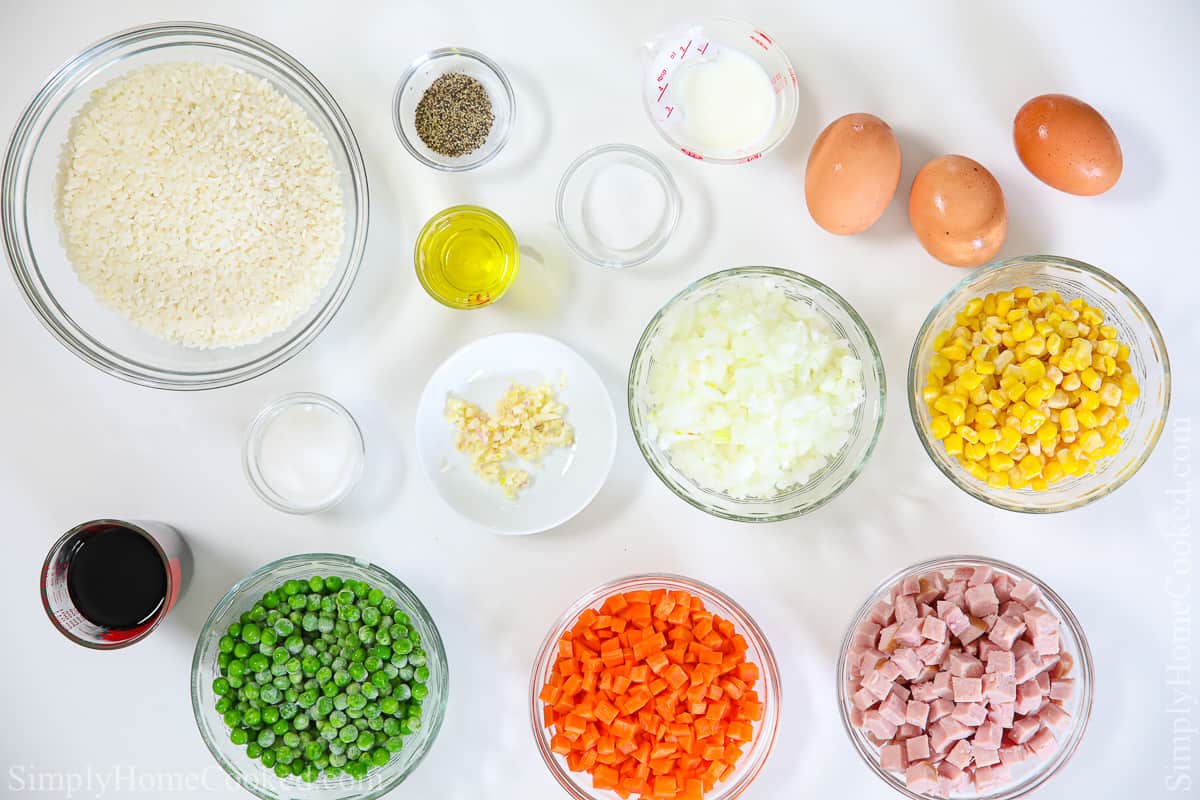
{"type": "Point", "coordinates": [701, 42]}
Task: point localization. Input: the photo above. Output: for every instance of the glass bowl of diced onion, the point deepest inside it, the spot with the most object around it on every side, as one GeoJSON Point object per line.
{"type": "Point", "coordinates": [837, 472]}
{"type": "Point", "coordinates": [1147, 360]}
{"type": "Point", "coordinates": [579, 785]}
{"type": "Point", "coordinates": [1023, 777]}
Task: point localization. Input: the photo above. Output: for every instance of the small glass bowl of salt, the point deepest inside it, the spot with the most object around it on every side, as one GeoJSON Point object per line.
{"type": "Point", "coordinates": [303, 453]}
{"type": "Point", "coordinates": [617, 206]}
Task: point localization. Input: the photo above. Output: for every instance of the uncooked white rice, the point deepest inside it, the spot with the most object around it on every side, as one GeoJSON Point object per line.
{"type": "Point", "coordinates": [200, 203]}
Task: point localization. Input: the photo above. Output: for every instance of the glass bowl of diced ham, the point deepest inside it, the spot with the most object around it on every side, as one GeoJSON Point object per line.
{"type": "Point", "coordinates": [655, 686]}
{"type": "Point", "coordinates": [965, 677]}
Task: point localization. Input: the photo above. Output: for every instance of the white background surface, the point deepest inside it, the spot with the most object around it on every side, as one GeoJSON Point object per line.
{"type": "Point", "coordinates": [948, 76]}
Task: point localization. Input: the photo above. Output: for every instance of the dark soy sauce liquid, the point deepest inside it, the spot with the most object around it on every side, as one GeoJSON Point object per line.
{"type": "Point", "coordinates": [116, 578]}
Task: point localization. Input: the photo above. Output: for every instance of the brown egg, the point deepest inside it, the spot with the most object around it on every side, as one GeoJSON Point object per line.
{"type": "Point", "coordinates": [852, 174]}
{"type": "Point", "coordinates": [1065, 143]}
{"type": "Point", "coordinates": [957, 211]}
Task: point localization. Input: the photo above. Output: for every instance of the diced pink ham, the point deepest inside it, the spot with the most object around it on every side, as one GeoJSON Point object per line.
{"type": "Point", "coordinates": [877, 726]}
{"type": "Point", "coordinates": [975, 628]}
{"type": "Point", "coordinates": [943, 685]}
{"type": "Point", "coordinates": [864, 699]}
{"type": "Point", "coordinates": [967, 690]}
{"type": "Point", "coordinates": [956, 620]}
{"type": "Point", "coordinates": [1022, 648]}
{"type": "Point", "coordinates": [917, 748]}
{"type": "Point", "coordinates": [1043, 682]}
{"type": "Point", "coordinates": [1062, 689]}
{"type": "Point", "coordinates": [1011, 756]}
{"type": "Point", "coordinates": [960, 754]}
{"type": "Point", "coordinates": [1053, 716]}
{"type": "Point", "coordinates": [970, 714]}
{"type": "Point", "coordinates": [856, 716]}
{"type": "Point", "coordinates": [901, 691]}
{"type": "Point", "coordinates": [981, 600]}
{"type": "Point", "coordinates": [1029, 697]}
{"type": "Point", "coordinates": [1050, 662]}
{"type": "Point", "coordinates": [1026, 593]}
{"type": "Point", "coordinates": [1040, 622]}
{"type": "Point", "coordinates": [924, 692]}
{"type": "Point", "coordinates": [1027, 668]}
{"type": "Point", "coordinates": [1023, 729]}
{"type": "Point", "coordinates": [988, 735]}
{"type": "Point", "coordinates": [933, 629]}
{"type": "Point", "coordinates": [985, 756]}
{"type": "Point", "coordinates": [1043, 743]}
{"type": "Point", "coordinates": [950, 776]}
{"type": "Point", "coordinates": [865, 635]}
{"type": "Point", "coordinates": [891, 757]}
{"type": "Point", "coordinates": [1000, 687]}
{"type": "Point", "coordinates": [878, 684]}
{"type": "Point", "coordinates": [963, 573]}
{"type": "Point", "coordinates": [909, 633]}
{"type": "Point", "coordinates": [965, 666]}
{"type": "Point", "coordinates": [887, 637]}
{"type": "Point", "coordinates": [910, 585]}
{"type": "Point", "coordinates": [1046, 644]}
{"type": "Point", "coordinates": [917, 713]}
{"type": "Point", "coordinates": [1001, 662]}
{"type": "Point", "coordinates": [907, 661]}
{"type": "Point", "coordinates": [1004, 586]}
{"type": "Point", "coordinates": [881, 612]}
{"type": "Point", "coordinates": [921, 777]}
{"type": "Point", "coordinates": [1002, 714]}
{"type": "Point", "coordinates": [1013, 609]}
{"type": "Point", "coordinates": [906, 608]}
{"type": "Point", "coordinates": [955, 591]}
{"type": "Point", "coordinates": [869, 660]}
{"type": "Point", "coordinates": [945, 731]}
{"type": "Point", "coordinates": [907, 731]}
{"type": "Point", "coordinates": [1006, 631]}
{"type": "Point", "coordinates": [986, 778]}
{"type": "Point", "coordinates": [981, 576]}
{"type": "Point", "coordinates": [934, 652]}
{"type": "Point", "coordinates": [892, 710]}
{"type": "Point", "coordinates": [941, 707]}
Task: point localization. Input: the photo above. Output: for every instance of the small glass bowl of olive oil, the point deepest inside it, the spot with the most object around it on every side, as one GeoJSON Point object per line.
{"type": "Point", "coordinates": [466, 257]}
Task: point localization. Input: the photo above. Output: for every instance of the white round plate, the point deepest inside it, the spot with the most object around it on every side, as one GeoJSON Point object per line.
{"type": "Point", "coordinates": [566, 479]}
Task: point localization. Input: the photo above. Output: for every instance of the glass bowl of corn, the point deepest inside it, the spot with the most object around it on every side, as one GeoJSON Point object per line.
{"type": "Point", "coordinates": [1039, 384]}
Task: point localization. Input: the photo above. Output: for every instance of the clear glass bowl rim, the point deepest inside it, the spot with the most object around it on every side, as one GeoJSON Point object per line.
{"type": "Point", "coordinates": [59, 323]}
{"type": "Point", "coordinates": [435, 646]}
{"type": "Point", "coordinates": [250, 455]}
{"type": "Point", "coordinates": [674, 203]}
{"type": "Point", "coordinates": [764, 742]}
{"type": "Point", "coordinates": [806, 281]}
{"type": "Point", "coordinates": [1083, 664]}
{"type": "Point", "coordinates": [766, 148]}
{"type": "Point", "coordinates": [978, 489]}
{"type": "Point", "coordinates": [434, 55]}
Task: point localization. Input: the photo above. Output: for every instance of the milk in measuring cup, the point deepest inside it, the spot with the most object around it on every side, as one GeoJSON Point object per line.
{"type": "Point", "coordinates": [726, 100]}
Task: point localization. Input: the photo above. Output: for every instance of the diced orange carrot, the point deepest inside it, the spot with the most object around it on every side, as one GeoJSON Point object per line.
{"type": "Point", "coordinates": [748, 671]}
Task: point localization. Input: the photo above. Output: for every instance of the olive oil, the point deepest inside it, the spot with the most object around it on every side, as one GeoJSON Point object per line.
{"type": "Point", "coordinates": [466, 257]}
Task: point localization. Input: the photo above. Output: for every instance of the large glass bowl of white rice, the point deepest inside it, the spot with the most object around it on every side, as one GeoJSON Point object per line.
{"type": "Point", "coordinates": [184, 206]}
{"type": "Point", "coordinates": [757, 394]}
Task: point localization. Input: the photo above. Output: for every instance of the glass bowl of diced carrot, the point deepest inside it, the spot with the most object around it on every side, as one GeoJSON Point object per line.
{"type": "Point", "coordinates": [1039, 384]}
{"type": "Point", "coordinates": [1034, 742]}
{"type": "Point", "coordinates": [657, 687]}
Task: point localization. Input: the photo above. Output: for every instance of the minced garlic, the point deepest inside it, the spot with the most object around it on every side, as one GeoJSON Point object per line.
{"type": "Point", "coordinates": [525, 424]}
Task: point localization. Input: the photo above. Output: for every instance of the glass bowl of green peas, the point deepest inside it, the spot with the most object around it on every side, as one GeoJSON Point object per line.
{"type": "Point", "coordinates": [319, 676]}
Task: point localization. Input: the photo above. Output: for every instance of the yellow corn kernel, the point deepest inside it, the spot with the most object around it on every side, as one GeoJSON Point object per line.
{"type": "Point", "coordinates": [1023, 330]}
{"type": "Point", "coordinates": [1087, 419]}
{"type": "Point", "coordinates": [981, 352]}
{"type": "Point", "coordinates": [977, 451]}
{"type": "Point", "coordinates": [1036, 304]}
{"type": "Point", "coordinates": [976, 469]}
{"type": "Point", "coordinates": [1053, 471]}
{"type": "Point", "coordinates": [1071, 382]}
{"type": "Point", "coordinates": [997, 398]}
{"type": "Point", "coordinates": [1009, 439]}
{"type": "Point", "coordinates": [1036, 395]}
{"type": "Point", "coordinates": [1018, 410]}
{"type": "Point", "coordinates": [1030, 465]}
{"type": "Point", "coordinates": [1014, 391]}
{"type": "Point", "coordinates": [954, 352]}
{"type": "Point", "coordinates": [1068, 329]}
{"type": "Point", "coordinates": [1033, 370]}
{"type": "Point", "coordinates": [1091, 379]}
{"type": "Point", "coordinates": [997, 480]}
{"type": "Point", "coordinates": [1091, 441]}
{"type": "Point", "coordinates": [1067, 420]}
{"type": "Point", "coordinates": [974, 306]}
{"type": "Point", "coordinates": [1122, 352]}
{"type": "Point", "coordinates": [940, 427]}
{"type": "Point", "coordinates": [1004, 303]}
{"type": "Point", "coordinates": [1000, 462]}
{"type": "Point", "coordinates": [1054, 344]}
{"type": "Point", "coordinates": [970, 379]}
{"type": "Point", "coordinates": [1032, 421]}
{"type": "Point", "coordinates": [1070, 465]}
{"type": "Point", "coordinates": [989, 435]}
{"type": "Point", "coordinates": [1110, 431]}
{"type": "Point", "coordinates": [1129, 388]}
{"type": "Point", "coordinates": [1022, 293]}
{"type": "Point", "coordinates": [930, 393]}
{"type": "Point", "coordinates": [985, 367]}
{"type": "Point", "coordinates": [1110, 394]}
{"type": "Point", "coordinates": [954, 444]}
{"type": "Point", "coordinates": [1122, 422]}
{"type": "Point", "coordinates": [985, 419]}
{"type": "Point", "coordinates": [1036, 345]}
{"type": "Point", "coordinates": [1089, 400]}
{"type": "Point", "coordinates": [1077, 303]}
{"type": "Point", "coordinates": [979, 395]}
{"type": "Point", "coordinates": [1039, 484]}
{"type": "Point", "coordinates": [967, 433]}
{"type": "Point", "coordinates": [1111, 448]}
{"type": "Point", "coordinates": [939, 365]}
{"type": "Point", "coordinates": [1091, 316]}
{"type": "Point", "coordinates": [952, 407]}
{"type": "Point", "coordinates": [1107, 347]}
{"type": "Point", "coordinates": [1059, 399]}
{"type": "Point", "coordinates": [941, 340]}
{"type": "Point", "coordinates": [992, 336]}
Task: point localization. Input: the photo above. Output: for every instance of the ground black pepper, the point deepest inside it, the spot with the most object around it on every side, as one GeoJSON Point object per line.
{"type": "Point", "coordinates": [454, 116]}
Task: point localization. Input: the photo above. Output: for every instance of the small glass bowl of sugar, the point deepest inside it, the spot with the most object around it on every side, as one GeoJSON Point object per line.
{"type": "Point", "coordinates": [304, 453]}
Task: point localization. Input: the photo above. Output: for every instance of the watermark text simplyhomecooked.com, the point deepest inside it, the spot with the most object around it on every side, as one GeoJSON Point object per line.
{"type": "Point", "coordinates": [1178, 672]}
{"type": "Point", "coordinates": [116, 782]}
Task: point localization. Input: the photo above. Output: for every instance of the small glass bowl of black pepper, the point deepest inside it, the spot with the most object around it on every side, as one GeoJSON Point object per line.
{"type": "Point", "coordinates": [453, 109]}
